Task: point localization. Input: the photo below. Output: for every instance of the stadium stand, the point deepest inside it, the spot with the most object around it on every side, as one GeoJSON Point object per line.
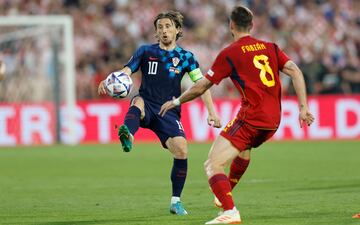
{"type": "Point", "coordinates": [323, 37]}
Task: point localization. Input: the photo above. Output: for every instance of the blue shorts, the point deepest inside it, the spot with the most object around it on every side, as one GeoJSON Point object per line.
{"type": "Point", "coordinates": [164, 127]}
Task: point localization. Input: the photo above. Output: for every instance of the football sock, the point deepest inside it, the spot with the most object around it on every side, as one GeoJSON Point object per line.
{"type": "Point", "coordinates": [132, 119]}
{"type": "Point", "coordinates": [175, 199]}
{"type": "Point", "coordinates": [178, 176]}
{"type": "Point", "coordinates": [220, 186]}
{"type": "Point", "coordinates": [237, 169]}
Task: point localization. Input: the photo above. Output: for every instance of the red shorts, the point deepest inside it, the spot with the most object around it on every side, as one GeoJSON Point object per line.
{"type": "Point", "coordinates": [243, 136]}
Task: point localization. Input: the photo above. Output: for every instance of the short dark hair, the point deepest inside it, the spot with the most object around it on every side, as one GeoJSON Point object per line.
{"type": "Point", "coordinates": [242, 18]}
{"type": "Point", "coordinates": [174, 16]}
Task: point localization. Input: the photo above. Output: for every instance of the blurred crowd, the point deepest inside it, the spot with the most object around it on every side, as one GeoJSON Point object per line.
{"type": "Point", "coordinates": [322, 37]}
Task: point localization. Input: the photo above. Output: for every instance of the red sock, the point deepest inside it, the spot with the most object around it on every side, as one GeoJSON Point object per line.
{"type": "Point", "coordinates": [237, 169]}
{"type": "Point", "coordinates": [220, 185]}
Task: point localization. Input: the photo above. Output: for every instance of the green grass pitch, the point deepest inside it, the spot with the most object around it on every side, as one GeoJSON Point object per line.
{"type": "Point", "coordinates": [287, 183]}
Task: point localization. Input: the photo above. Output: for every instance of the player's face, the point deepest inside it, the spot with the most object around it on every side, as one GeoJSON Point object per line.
{"type": "Point", "coordinates": [166, 31]}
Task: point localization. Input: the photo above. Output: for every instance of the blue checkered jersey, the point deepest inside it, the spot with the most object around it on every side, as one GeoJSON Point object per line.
{"type": "Point", "coordinates": [162, 71]}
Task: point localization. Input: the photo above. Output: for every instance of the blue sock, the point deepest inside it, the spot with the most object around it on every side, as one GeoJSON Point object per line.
{"type": "Point", "coordinates": [132, 119]}
{"type": "Point", "coordinates": [178, 176]}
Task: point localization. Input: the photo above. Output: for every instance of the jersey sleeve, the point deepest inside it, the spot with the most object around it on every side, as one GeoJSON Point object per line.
{"type": "Point", "coordinates": [193, 69]}
{"type": "Point", "coordinates": [281, 57]}
{"type": "Point", "coordinates": [220, 69]}
{"type": "Point", "coordinates": [135, 60]}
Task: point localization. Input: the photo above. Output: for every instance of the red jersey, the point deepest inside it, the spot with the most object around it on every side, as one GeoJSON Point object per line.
{"type": "Point", "coordinates": [253, 66]}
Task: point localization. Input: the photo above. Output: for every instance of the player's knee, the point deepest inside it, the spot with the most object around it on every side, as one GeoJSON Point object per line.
{"type": "Point", "coordinates": [178, 147]}
{"type": "Point", "coordinates": [139, 103]}
{"type": "Point", "coordinates": [245, 154]}
{"type": "Point", "coordinates": [209, 168]}
{"type": "Point", "coordinates": [213, 166]}
{"type": "Point", "coordinates": [181, 153]}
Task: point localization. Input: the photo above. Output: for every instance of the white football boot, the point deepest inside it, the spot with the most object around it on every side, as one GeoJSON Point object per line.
{"type": "Point", "coordinates": [227, 217]}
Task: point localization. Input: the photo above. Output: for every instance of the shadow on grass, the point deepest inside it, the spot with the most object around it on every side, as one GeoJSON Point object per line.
{"type": "Point", "coordinates": [133, 220]}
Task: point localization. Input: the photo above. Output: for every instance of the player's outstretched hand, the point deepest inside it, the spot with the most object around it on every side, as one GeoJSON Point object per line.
{"type": "Point", "coordinates": [305, 116]}
{"type": "Point", "coordinates": [214, 121]}
{"type": "Point", "coordinates": [166, 107]}
{"type": "Point", "coordinates": [101, 88]}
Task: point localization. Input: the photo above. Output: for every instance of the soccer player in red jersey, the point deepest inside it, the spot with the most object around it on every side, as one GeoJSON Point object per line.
{"type": "Point", "coordinates": [253, 66]}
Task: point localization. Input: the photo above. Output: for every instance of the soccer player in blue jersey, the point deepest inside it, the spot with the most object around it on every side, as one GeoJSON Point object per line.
{"type": "Point", "coordinates": [163, 65]}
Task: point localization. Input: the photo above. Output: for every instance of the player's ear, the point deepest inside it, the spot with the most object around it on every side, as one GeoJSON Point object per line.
{"type": "Point", "coordinates": [231, 25]}
{"type": "Point", "coordinates": [250, 26]}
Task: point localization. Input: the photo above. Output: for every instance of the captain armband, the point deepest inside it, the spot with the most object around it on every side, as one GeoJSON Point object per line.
{"type": "Point", "coordinates": [195, 75]}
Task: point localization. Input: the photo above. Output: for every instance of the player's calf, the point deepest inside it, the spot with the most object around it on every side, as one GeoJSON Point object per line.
{"type": "Point", "coordinates": [217, 203]}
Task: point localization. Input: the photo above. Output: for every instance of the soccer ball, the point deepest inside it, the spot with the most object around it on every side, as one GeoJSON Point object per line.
{"type": "Point", "coordinates": [118, 85]}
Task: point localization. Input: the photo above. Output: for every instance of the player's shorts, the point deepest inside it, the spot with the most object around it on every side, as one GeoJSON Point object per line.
{"type": "Point", "coordinates": [243, 136]}
{"type": "Point", "coordinates": [164, 127]}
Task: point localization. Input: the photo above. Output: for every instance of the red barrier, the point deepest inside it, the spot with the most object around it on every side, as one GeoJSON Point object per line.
{"type": "Point", "coordinates": [26, 124]}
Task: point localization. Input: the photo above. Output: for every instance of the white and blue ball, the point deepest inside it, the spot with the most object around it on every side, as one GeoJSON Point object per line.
{"type": "Point", "coordinates": [118, 85]}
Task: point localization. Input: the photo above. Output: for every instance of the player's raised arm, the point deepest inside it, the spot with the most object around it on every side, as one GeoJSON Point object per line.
{"type": "Point", "coordinates": [291, 69]}
{"type": "Point", "coordinates": [193, 92]}
{"type": "Point", "coordinates": [127, 71]}
{"type": "Point", "coordinates": [131, 67]}
{"type": "Point", "coordinates": [101, 87]}
{"type": "Point", "coordinates": [213, 119]}
{"type": "Point", "coordinates": [195, 76]}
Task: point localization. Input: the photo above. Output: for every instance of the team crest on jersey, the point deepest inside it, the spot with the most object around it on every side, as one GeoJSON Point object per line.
{"type": "Point", "coordinates": [175, 61]}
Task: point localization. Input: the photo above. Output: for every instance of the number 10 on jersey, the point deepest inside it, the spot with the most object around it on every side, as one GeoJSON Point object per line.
{"type": "Point", "coordinates": [153, 68]}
